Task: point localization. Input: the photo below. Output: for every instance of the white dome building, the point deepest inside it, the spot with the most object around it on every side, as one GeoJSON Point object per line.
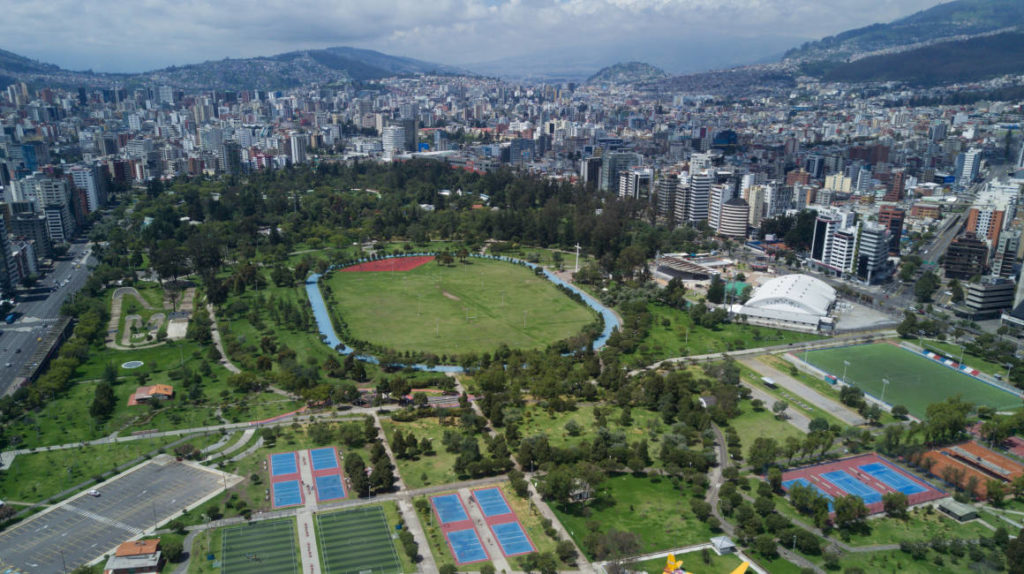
{"type": "Point", "coordinates": [797, 302]}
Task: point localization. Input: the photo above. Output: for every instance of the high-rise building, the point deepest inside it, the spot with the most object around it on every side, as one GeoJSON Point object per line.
{"type": "Point", "coordinates": [732, 221]}
{"type": "Point", "coordinates": [298, 144]}
{"type": "Point", "coordinates": [698, 195]}
{"type": "Point", "coordinates": [892, 218]}
{"type": "Point", "coordinates": [613, 163]}
{"type": "Point", "coordinates": [969, 172]}
{"type": "Point", "coordinates": [590, 172]}
{"type": "Point", "coordinates": [635, 183]}
{"type": "Point", "coordinates": [966, 257]}
{"type": "Point", "coordinates": [166, 95]}
{"type": "Point", "coordinates": [666, 190]}
{"type": "Point", "coordinates": [985, 221]}
{"type": "Point", "coordinates": [521, 151]}
{"type": "Point", "coordinates": [896, 186]}
{"type": "Point", "coordinates": [720, 194]}
{"type": "Point", "coordinates": [8, 267]}
{"type": "Point", "coordinates": [92, 181]}
{"type": "Point", "coordinates": [1006, 253]}
{"type": "Point", "coordinates": [393, 139]}
{"type": "Point", "coordinates": [872, 250]}
{"type": "Point", "coordinates": [755, 201]}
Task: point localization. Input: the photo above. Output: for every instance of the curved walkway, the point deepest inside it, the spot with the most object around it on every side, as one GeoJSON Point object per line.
{"type": "Point", "coordinates": [114, 325]}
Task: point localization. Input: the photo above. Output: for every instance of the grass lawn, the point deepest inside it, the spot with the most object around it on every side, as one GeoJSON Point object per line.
{"type": "Point", "coordinates": [266, 546]}
{"type": "Point", "coordinates": [536, 420]}
{"type": "Point", "coordinates": [897, 562]}
{"type": "Point", "coordinates": [674, 334]}
{"type": "Point", "coordinates": [920, 526]}
{"type": "Point", "coordinates": [915, 381]}
{"type": "Point", "coordinates": [425, 470]}
{"type": "Point", "coordinates": [751, 425]}
{"type": "Point", "coordinates": [426, 309]}
{"type": "Point", "coordinates": [692, 562]}
{"type": "Point", "coordinates": [358, 540]}
{"type": "Point", "coordinates": [657, 512]}
{"type": "Point", "coordinates": [205, 543]}
{"type": "Point", "coordinates": [37, 476]}
{"type": "Point", "coordinates": [438, 544]}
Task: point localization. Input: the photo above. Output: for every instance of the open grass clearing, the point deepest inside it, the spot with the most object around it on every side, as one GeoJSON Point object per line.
{"type": "Point", "coordinates": [535, 420]}
{"type": "Point", "coordinates": [693, 562]}
{"type": "Point", "coordinates": [652, 508]}
{"type": "Point", "coordinates": [466, 308]}
{"type": "Point", "coordinates": [425, 470]}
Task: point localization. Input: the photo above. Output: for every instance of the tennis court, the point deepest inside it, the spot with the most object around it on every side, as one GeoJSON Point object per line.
{"type": "Point", "coordinates": [466, 546]}
{"type": "Point", "coordinates": [512, 539]}
{"type": "Point", "coordinates": [284, 463]}
{"type": "Point", "coordinates": [891, 478]}
{"type": "Point", "coordinates": [323, 458]}
{"type": "Point", "coordinates": [491, 502]}
{"type": "Point", "coordinates": [449, 508]}
{"type": "Point", "coordinates": [329, 487]}
{"type": "Point", "coordinates": [356, 541]}
{"type": "Point", "coordinates": [258, 547]}
{"type": "Point", "coordinates": [286, 493]}
{"type": "Point", "coordinates": [853, 486]}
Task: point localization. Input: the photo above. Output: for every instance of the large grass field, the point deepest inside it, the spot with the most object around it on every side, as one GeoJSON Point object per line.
{"type": "Point", "coordinates": [693, 562]}
{"type": "Point", "coordinates": [914, 381]}
{"type": "Point", "coordinates": [258, 547]}
{"type": "Point", "coordinates": [472, 307]}
{"type": "Point", "coordinates": [357, 540]}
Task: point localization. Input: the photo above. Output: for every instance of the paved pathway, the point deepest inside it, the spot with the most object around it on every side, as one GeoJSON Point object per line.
{"type": "Point", "coordinates": [831, 406]}
{"type": "Point", "coordinates": [793, 416]}
{"type": "Point", "coordinates": [215, 335]}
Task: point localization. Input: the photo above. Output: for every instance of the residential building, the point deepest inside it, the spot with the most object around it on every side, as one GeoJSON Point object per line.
{"type": "Point", "coordinates": [966, 257]}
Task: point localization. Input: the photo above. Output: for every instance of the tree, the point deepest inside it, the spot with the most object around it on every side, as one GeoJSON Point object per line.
{"type": "Point", "coordinates": [779, 408]}
{"type": "Point", "coordinates": [172, 549]}
{"type": "Point", "coordinates": [995, 492]}
{"type": "Point", "coordinates": [926, 286]}
{"type": "Point", "coordinates": [775, 479]}
{"type": "Point", "coordinates": [957, 290]}
{"type": "Point", "coordinates": [103, 402]}
{"type": "Point", "coordinates": [558, 485]}
{"type": "Point", "coordinates": [764, 544]}
{"type": "Point", "coordinates": [716, 291]}
{"type": "Point", "coordinates": [1015, 554]}
{"type": "Point", "coordinates": [566, 551]}
{"type": "Point", "coordinates": [763, 452]}
{"type": "Point", "coordinates": [895, 504]}
{"type": "Point", "coordinates": [818, 424]}
{"type": "Point", "coordinates": [908, 327]}
{"type": "Point", "coordinates": [900, 411]}
{"type": "Point", "coordinates": [850, 511]}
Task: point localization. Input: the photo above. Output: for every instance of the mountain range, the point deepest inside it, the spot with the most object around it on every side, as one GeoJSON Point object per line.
{"type": "Point", "coordinates": [963, 40]}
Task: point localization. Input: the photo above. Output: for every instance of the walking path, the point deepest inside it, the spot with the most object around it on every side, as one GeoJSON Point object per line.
{"type": "Point", "coordinates": [308, 549]}
{"type": "Point", "coordinates": [242, 440]}
{"type": "Point", "coordinates": [831, 406]}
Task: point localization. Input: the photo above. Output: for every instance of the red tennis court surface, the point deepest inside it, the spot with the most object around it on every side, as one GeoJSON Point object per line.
{"type": "Point", "coordinates": [392, 264]}
{"type": "Point", "coordinates": [959, 463]}
{"type": "Point", "coordinates": [869, 476]}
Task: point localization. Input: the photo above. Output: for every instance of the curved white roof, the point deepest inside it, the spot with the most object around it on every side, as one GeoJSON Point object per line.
{"type": "Point", "coordinates": [794, 293]}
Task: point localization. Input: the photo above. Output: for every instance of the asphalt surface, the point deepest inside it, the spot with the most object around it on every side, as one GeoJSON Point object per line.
{"type": "Point", "coordinates": [37, 310]}
{"type": "Point", "coordinates": [86, 527]}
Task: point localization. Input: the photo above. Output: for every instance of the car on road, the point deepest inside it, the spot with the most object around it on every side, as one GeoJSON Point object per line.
{"type": "Point", "coordinates": [94, 492]}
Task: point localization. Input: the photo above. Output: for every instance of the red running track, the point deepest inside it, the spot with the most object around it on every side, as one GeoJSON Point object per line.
{"type": "Point", "coordinates": [392, 264]}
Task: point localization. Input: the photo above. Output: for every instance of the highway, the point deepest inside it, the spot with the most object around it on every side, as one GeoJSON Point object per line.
{"type": "Point", "coordinates": [38, 309]}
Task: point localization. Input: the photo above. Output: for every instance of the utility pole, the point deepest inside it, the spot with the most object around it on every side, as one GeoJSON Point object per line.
{"type": "Point", "coordinates": [577, 259]}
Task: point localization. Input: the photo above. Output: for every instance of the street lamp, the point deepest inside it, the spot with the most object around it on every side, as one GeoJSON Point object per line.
{"type": "Point", "coordinates": [885, 385]}
{"type": "Point", "coordinates": [845, 365]}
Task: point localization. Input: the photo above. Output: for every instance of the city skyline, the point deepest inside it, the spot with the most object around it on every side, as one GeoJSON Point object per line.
{"type": "Point", "coordinates": [467, 33]}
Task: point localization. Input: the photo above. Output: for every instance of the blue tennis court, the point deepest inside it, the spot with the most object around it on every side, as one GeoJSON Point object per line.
{"type": "Point", "coordinates": [853, 486]}
{"type": "Point", "coordinates": [449, 508]}
{"type": "Point", "coordinates": [892, 478]}
{"type": "Point", "coordinates": [329, 487]}
{"type": "Point", "coordinates": [466, 546]}
{"type": "Point", "coordinates": [323, 458]}
{"type": "Point", "coordinates": [284, 463]}
{"type": "Point", "coordinates": [491, 502]}
{"type": "Point", "coordinates": [512, 539]}
{"type": "Point", "coordinates": [287, 493]}
{"type": "Point", "coordinates": [805, 482]}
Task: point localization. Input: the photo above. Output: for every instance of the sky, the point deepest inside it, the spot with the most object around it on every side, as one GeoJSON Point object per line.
{"type": "Point", "coordinates": [142, 35]}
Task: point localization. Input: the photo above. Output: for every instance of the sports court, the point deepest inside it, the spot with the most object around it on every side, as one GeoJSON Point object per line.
{"type": "Point", "coordinates": [868, 476]}
{"type": "Point", "coordinates": [355, 541]}
{"type": "Point", "coordinates": [256, 547]}
{"type": "Point", "coordinates": [285, 485]}
{"type": "Point", "coordinates": [327, 475]}
{"type": "Point", "coordinates": [458, 529]}
{"type": "Point", "coordinates": [86, 527]}
{"type": "Point", "coordinates": [963, 462]}
{"type": "Point", "coordinates": [503, 522]}
{"type": "Point", "coordinates": [915, 380]}
{"type": "Point", "coordinates": [391, 264]}
{"type": "Point", "coordinates": [466, 546]}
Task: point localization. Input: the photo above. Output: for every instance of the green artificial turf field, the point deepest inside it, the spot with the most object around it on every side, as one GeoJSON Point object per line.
{"type": "Point", "coordinates": [914, 381]}
{"type": "Point", "coordinates": [472, 307]}
{"type": "Point", "coordinates": [258, 547]}
{"type": "Point", "coordinates": [357, 541]}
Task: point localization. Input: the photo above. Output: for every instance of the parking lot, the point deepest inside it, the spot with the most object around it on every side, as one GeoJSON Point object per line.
{"type": "Point", "coordinates": [85, 527]}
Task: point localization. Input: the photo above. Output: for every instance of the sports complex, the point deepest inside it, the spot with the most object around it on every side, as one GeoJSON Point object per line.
{"type": "Point", "coordinates": [868, 476]}
{"type": "Point", "coordinates": [914, 380]}
{"type": "Point", "coordinates": [287, 485]}
{"type": "Point", "coordinates": [356, 541]}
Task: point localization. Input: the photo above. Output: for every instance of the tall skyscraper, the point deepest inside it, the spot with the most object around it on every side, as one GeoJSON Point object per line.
{"type": "Point", "coordinates": [613, 163]}
{"type": "Point", "coordinates": [969, 171]}
{"type": "Point", "coordinates": [1006, 253]}
{"type": "Point", "coordinates": [892, 218]}
{"type": "Point", "coordinates": [698, 196]}
{"type": "Point", "coordinates": [393, 140]}
{"type": "Point", "coordinates": [299, 143]}
{"type": "Point", "coordinates": [666, 190]}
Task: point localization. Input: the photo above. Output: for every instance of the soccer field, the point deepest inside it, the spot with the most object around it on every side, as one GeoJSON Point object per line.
{"type": "Point", "coordinates": [914, 381]}
{"type": "Point", "coordinates": [471, 307]}
{"type": "Point", "coordinates": [259, 547]}
{"type": "Point", "coordinates": [356, 541]}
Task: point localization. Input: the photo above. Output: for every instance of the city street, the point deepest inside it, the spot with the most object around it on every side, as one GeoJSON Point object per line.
{"type": "Point", "coordinates": [37, 310]}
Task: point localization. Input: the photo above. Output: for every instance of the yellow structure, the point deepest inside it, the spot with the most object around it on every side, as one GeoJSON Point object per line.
{"type": "Point", "coordinates": [673, 566]}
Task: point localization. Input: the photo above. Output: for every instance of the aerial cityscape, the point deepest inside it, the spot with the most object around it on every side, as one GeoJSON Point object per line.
{"type": "Point", "coordinates": [512, 286]}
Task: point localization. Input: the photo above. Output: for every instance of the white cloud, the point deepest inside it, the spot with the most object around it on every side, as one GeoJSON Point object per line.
{"type": "Point", "coordinates": [113, 35]}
